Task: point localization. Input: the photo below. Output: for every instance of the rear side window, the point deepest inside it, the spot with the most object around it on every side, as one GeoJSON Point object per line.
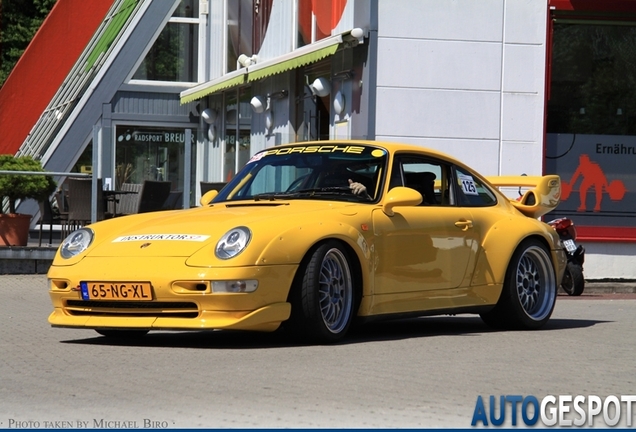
{"type": "Point", "coordinates": [471, 192]}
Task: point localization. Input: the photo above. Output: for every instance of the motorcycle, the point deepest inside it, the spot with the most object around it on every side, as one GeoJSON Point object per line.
{"type": "Point", "coordinates": [573, 282]}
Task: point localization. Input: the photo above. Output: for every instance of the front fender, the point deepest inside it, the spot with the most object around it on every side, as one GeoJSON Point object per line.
{"type": "Point", "coordinates": [290, 246]}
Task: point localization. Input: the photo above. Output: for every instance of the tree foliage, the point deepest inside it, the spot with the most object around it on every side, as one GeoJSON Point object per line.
{"type": "Point", "coordinates": [19, 21]}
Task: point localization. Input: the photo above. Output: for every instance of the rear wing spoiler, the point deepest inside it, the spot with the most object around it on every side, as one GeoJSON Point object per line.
{"type": "Point", "coordinates": [542, 195]}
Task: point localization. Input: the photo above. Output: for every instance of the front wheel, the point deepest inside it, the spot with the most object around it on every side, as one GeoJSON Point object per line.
{"type": "Point", "coordinates": [573, 282]}
{"type": "Point", "coordinates": [529, 292]}
{"type": "Point", "coordinates": [323, 297]}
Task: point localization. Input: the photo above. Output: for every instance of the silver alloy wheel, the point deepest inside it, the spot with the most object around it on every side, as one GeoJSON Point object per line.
{"type": "Point", "coordinates": [535, 283]}
{"type": "Point", "coordinates": [335, 290]}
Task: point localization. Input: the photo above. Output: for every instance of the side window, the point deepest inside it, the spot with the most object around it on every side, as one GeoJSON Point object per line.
{"type": "Point", "coordinates": [471, 192]}
{"type": "Point", "coordinates": [427, 176]}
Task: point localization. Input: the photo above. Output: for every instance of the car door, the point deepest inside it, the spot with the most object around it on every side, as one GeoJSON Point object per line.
{"type": "Point", "coordinates": [425, 247]}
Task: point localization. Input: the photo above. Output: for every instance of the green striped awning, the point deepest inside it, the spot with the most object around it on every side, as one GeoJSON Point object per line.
{"type": "Point", "coordinates": [300, 57]}
{"type": "Point", "coordinates": [228, 80]}
{"type": "Point", "coordinates": [297, 58]}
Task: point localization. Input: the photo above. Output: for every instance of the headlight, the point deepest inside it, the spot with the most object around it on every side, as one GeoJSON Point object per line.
{"type": "Point", "coordinates": [233, 242]}
{"type": "Point", "coordinates": [77, 242]}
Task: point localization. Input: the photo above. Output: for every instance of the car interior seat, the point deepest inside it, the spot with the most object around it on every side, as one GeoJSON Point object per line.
{"type": "Point", "coordinates": [424, 183]}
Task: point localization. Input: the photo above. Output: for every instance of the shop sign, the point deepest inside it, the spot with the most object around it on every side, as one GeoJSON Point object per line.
{"type": "Point", "coordinates": [170, 136]}
{"type": "Point", "coordinates": [598, 183]}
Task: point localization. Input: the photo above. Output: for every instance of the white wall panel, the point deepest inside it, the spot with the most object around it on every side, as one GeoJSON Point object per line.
{"type": "Point", "coordinates": [522, 118]}
{"type": "Point", "coordinates": [521, 158]}
{"type": "Point", "coordinates": [439, 64]}
{"type": "Point", "coordinates": [524, 68]}
{"type": "Point", "coordinates": [609, 260]}
{"type": "Point", "coordinates": [437, 113]}
{"type": "Point", "coordinates": [525, 21]}
{"type": "Point", "coordinates": [448, 19]}
{"type": "Point", "coordinates": [481, 155]}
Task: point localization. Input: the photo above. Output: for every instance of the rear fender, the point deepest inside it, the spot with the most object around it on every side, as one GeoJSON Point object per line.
{"type": "Point", "coordinates": [500, 244]}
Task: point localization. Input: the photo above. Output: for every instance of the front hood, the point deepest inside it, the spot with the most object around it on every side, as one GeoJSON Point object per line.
{"type": "Point", "coordinates": [181, 233]}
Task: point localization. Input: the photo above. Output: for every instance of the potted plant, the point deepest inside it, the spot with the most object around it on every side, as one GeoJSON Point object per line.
{"type": "Point", "coordinates": [14, 227]}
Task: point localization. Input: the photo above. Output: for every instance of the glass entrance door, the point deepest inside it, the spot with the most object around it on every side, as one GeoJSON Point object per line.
{"type": "Point", "coordinates": [151, 153]}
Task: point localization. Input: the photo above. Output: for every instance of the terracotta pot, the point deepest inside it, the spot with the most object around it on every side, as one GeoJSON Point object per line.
{"type": "Point", "coordinates": [14, 229]}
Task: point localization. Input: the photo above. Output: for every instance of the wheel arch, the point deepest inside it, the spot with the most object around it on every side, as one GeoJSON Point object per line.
{"type": "Point", "coordinates": [353, 258]}
{"type": "Point", "coordinates": [298, 242]}
{"type": "Point", "coordinates": [499, 246]}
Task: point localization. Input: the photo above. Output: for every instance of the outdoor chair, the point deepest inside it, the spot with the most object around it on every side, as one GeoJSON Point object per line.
{"type": "Point", "coordinates": [208, 186]}
{"type": "Point", "coordinates": [79, 202]}
{"type": "Point", "coordinates": [49, 217]}
{"type": "Point", "coordinates": [129, 202]}
{"type": "Point", "coordinates": [153, 195]}
{"type": "Point", "coordinates": [174, 201]}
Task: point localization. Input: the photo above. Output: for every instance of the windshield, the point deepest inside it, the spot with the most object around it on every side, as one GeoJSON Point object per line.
{"type": "Point", "coordinates": [310, 172]}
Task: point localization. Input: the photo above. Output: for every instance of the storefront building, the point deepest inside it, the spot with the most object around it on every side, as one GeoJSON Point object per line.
{"type": "Point", "coordinates": [190, 90]}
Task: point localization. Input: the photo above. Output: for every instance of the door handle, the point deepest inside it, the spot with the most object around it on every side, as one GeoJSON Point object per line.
{"type": "Point", "coordinates": [464, 224]}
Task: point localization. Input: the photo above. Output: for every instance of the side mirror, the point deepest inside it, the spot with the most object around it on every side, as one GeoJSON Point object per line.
{"type": "Point", "coordinates": [400, 196]}
{"type": "Point", "coordinates": [207, 197]}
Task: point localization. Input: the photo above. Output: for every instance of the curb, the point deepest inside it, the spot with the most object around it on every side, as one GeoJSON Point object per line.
{"type": "Point", "coordinates": [26, 259]}
{"type": "Point", "coordinates": [614, 287]}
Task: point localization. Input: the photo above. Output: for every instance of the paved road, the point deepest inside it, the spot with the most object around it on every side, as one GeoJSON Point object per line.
{"type": "Point", "coordinates": [415, 373]}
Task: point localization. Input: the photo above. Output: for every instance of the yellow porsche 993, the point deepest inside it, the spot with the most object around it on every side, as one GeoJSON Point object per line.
{"type": "Point", "coordinates": [315, 236]}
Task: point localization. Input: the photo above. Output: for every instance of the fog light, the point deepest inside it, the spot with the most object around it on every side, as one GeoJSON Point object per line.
{"type": "Point", "coordinates": [235, 286]}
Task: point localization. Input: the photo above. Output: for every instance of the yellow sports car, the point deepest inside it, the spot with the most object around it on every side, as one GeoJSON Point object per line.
{"type": "Point", "coordinates": [313, 236]}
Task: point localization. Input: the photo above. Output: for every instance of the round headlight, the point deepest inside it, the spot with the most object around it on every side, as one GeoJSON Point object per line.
{"type": "Point", "coordinates": [76, 243]}
{"type": "Point", "coordinates": [233, 242]}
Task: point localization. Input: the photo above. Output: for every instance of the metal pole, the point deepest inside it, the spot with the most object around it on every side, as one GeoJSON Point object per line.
{"type": "Point", "coordinates": [187, 174]}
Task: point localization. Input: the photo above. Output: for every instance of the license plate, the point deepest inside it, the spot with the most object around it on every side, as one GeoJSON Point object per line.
{"type": "Point", "coordinates": [116, 291]}
{"type": "Point", "coordinates": [570, 246]}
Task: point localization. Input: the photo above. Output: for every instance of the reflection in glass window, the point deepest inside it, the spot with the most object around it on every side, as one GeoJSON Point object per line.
{"type": "Point", "coordinates": [238, 131]}
{"type": "Point", "coordinates": [593, 79]}
{"type": "Point", "coordinates": [317, 19]}
{"type": "Point", "coordinates": [150, 153]}
{"type": "Point", "coordinates": [247, 22]}
{"type": "Point", "coordinates": [310, 172]}
{"type": "Point", "coordinates": [174, 55]}
{"type": "Point", "coordinates": [427, 176]}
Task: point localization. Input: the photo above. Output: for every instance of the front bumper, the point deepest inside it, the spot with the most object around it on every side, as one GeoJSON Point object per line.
{"type": "Point", "coordinates": [182, 296]}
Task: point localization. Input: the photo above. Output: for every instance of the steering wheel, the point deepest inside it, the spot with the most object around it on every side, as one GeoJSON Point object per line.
{"type": "Point", "coordinates": [295, 184]}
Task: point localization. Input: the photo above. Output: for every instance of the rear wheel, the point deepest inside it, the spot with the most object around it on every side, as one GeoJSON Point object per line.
{"type": "Point", "coordinates": [127, 334]}
{"type": "Point", "coordinates": [323, 297]}
{"type": "Point", "coordinates": [529, 292]}
{"type": "Point", "coordinates": [573, 282]}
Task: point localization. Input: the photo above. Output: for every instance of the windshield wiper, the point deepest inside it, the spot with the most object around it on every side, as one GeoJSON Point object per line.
{"type": "Point", "coordinates": [271, 196]}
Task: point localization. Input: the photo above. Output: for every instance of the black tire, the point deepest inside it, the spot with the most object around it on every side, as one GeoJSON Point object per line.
{"type": "Point", "coordinates": [323, 296]}
{"type": "Point", "coordinates": [573, 282]}
{"type": "Point", "coordinates": [122, 334]}
{"type": "Point", "coordinates": [529, 291]}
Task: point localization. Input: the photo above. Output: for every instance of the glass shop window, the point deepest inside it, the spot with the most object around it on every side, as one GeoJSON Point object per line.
{"type": "Point", "coordinates": [174, 55]}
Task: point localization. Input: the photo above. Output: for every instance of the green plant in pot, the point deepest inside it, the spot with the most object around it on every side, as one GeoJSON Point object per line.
{"type": "Point", "coordinates": [14, 227]}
